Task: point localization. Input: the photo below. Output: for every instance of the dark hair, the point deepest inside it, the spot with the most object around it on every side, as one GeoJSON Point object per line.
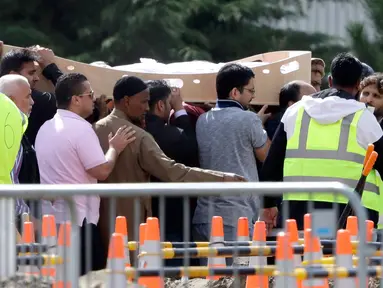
{"type": "Point", "coordinates": [232, 76]}
{"type": "Point", "coordinates": [346, 70]}
{"type": "Point", "coordinates": [366, 70]}
{"type": "Point", "coordinates": [14, 60]}
{"type": "Point", "coordinates": [375, 79]}
{"type": "Point", "coordinates": [158, 90]}
{"type": "Point", "coordinates": [128, 86]}
{"type": "Point", "coordinates": [289, 92]}
{"type": "Point", "coordinates": [67, 86]}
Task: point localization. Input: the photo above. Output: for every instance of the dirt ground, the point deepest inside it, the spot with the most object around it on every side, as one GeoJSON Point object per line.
{"type": "Point", "coordinates": [97, 280]}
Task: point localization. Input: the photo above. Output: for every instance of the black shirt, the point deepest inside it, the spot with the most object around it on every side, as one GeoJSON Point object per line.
{"type": "Point", "coordinates": [45, 105]}
{"type": "Point", "coordinates": [179, 143]}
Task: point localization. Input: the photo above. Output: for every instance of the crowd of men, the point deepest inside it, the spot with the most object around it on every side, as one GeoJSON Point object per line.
{"type": "Point", "coordinates": [148, 134]}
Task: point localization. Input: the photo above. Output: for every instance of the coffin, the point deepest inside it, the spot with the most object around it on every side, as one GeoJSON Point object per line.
{"type": "Point", "coordinates": [196, 78]}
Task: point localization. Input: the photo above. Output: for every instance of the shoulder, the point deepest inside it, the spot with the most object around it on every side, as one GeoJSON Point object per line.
{"type": "Point", "coordinates": [292, 111]}
{"type": "Point", "coordinates": [368, 122]}
{"type": "Point", "coordinates": [45, 97]}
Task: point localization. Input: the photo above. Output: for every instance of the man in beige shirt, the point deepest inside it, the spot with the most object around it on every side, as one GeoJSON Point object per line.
{"type": "Point", "coordinates": [143, 157]}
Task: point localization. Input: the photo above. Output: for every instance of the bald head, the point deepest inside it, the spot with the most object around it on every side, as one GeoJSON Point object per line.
{"type": "Point", "coordinates": [17, 88]}
{"type": "Point", "coordinates": [293, 92]}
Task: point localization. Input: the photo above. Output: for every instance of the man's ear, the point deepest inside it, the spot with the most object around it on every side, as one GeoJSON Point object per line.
{"type": "Point", "coordinates": [329, 78]}
{"type": "Point", "coordinates": [234, 94]}
{"type": "Point", "coordinates": [160, 105]}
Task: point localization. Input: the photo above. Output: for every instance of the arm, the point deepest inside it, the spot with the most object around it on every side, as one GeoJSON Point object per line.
{"type": "Point", "coordinates": [258, 137]}
{"type": "Point", "coordinates": [52, 73]}
{"type": "Point", "coordinates": [181, 141]}
{"type": "Point", "coordinates": [272, 169]}
{"type": "Point", "coordinates": [156, 163]}
{"type": "Point", "coordinates": [182, 120]}
{"type": "Point", "coordinates": [47, 63]}
{"type": "Point", "coordinates": [92, 157]}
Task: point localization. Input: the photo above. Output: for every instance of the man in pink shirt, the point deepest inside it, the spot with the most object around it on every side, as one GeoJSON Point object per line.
{"type": "Point", "coordinates": [69, 152]}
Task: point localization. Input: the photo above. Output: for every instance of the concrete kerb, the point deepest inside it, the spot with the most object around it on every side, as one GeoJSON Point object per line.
{"type": "Point", "coordinates": [190, 190]}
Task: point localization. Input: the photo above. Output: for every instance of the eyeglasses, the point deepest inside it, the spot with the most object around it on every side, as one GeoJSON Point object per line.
{"type": "Point", "coordinates": [252, 91]}
{"type": "Point", "coordinates": [90, 94]}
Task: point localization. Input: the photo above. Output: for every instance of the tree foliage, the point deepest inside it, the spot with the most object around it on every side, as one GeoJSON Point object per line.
{"type": "Point", "coordinates": [369, 50]}
{"type": "Point", "coordinates": [122, 31]}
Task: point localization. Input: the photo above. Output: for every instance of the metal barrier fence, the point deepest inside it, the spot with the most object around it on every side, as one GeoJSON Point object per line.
{"type": "Point", "coordinates": [137, 192]}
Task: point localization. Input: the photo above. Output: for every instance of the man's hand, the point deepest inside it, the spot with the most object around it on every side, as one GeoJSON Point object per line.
{"type": "Point", "coordinates": [231, 177]}
{"type": "Point", "coordinates": [261, 114]}
{"type": "Point", "coordinates": [47, 56]}
{"type": "Point", "coordinates": [102, 106]}
{"type": "Point", "coordinates": [176, 99]}
{"type": "Point", "coordinates": [269, 216]}
{"type": "Point", "coordinates": [123, 137]}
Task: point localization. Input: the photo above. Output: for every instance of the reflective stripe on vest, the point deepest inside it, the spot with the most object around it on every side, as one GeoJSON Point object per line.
{"type": "Point", "coordinates": [11, 131]}
{"type": "Point", "coordinates": [330, 152]}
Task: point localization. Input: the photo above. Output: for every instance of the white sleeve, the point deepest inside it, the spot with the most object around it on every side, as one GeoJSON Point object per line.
{"type": "Point", "coordinates": [369, 130]}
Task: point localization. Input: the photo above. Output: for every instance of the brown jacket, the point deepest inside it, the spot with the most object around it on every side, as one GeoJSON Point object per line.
{"type": "Point", "coordinates": [135, 164]}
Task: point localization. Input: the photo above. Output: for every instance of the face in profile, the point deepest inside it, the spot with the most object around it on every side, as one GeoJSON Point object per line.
{"type": "Point", "coordinates": [29, 71]}
{"type": "Point", "coordinates": [137, 106]}
{"type": "Point", "coordinates": [86, 100]}
{"type": "Point", "coordinates": [22, 98]}
{"type": "Point", "coordinates": [245, 96]}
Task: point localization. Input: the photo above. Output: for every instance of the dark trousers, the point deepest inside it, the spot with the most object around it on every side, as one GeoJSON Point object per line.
{"type": "Point", "coordinates": [91, 249]}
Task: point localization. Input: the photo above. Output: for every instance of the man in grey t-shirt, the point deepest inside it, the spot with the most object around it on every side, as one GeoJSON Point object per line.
{"type": "Point", "coordinates": [230, 139]}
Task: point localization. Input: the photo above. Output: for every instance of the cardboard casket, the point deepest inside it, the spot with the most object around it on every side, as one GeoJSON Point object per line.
{"type": "Point", "coordinates": [196, 78]}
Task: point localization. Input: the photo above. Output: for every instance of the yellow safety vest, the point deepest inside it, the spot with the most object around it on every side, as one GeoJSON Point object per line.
{"type": "Point", "coordinates": [13, 124]}
{"type": "Point", "coordinates": [317, 152]}
{"type": "Point", "coordinates": [380, 221]}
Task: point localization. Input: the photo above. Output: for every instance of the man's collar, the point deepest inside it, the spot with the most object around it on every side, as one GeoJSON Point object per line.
{"type": "Point", "coordinates": [119, 114]}
{"type": "Point", "coordinates": [227, 103]}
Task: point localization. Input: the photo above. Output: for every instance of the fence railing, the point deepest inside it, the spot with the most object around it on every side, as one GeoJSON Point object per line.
{"type": "Point", "coordinates": [185, 190]}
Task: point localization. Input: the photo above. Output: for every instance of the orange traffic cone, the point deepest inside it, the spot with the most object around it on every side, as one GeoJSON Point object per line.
{"type": "Point", "coordinates": [307, 221]}
{"type": "Point", "coordinates": [243, 233]}
{"type": "Point", "coordinates": [63, 250]}
{"type": "Point", "coordinates": [285, 262]}
{"type": "Point", "coordinates": [122, 228]}
{"type": "Point", "coordinates": [352, 226]}
{"type": "Point", "coordinates": [312, 252]}
{"type": "Point", "coordinates": [154, 261]}
{"type": "Point", "coordinates": [49, 238]}
{"type": "Point", "coordinates": [292, 231]}
{"type": "Point", "coordinates": [344, 257]}
{"type": "Point", "coordinates": [369, 230]}
{"type": "Point", "coordinates": [216, 235]}
{"type": "Point", "coordinates": [28, 237]}
{"type": "Point", "coordinates": [259, 239]}
{"type": "Point", "coordinates": [116, 262]}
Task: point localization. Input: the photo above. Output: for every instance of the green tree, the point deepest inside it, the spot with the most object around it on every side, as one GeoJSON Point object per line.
{"type": "Point", "coordinates": [369, 50]}
{"type": "Point", "coordinates": [122, 31]}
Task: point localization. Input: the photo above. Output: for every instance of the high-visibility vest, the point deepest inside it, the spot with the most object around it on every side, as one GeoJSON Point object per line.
{"type": "Point", "coordinates": [317, 152]}
{"type": "Point", "coordinates": [380, 221]}
{"type": "Point", "coordinates": [13, 124]}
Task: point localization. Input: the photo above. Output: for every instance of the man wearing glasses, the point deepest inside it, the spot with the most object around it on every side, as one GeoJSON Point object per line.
{"type": "Point", "coordinates": [69, 152]}
{"type": "Point", "coordinates": [230, 139]}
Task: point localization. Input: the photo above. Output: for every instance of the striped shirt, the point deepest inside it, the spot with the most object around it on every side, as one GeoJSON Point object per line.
{"type": "Point", "coordinates": [21, 206]}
